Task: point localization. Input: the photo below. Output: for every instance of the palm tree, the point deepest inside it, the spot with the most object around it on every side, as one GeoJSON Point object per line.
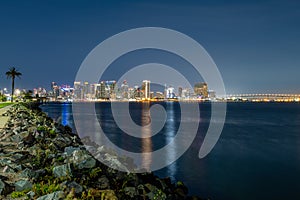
{"type": "Point", "coordinates": [13, 73]}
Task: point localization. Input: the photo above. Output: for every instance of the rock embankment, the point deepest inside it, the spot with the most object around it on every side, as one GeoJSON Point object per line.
{"type": "Point", "coordinates": [41, 159]}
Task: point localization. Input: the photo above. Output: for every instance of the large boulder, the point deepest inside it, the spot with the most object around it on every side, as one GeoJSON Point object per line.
{"type": "Point", "coordinates": [81, 159]}
{"type": "Point", "coordinates": [62, 171]}
{"type": "Point", "coordinates": [23, 185]}
{"type": "Point", "coordinates": [53, 196]}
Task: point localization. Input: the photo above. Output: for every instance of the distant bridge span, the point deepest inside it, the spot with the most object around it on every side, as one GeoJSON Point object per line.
{"type": "Point", "coordinates": [268, 97]}
{"type": "Point", "coordinates": [263, 95]}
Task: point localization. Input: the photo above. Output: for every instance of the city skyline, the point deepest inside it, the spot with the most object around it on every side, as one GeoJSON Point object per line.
{"type": "Point", "coordinates": [254, 44]}
{"type": "Point", "coordinates": [111, 90]}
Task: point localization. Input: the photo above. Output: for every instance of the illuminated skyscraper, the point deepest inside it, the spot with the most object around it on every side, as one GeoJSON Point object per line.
{"type": "Point", "coordinates": [146, 89]}
{"type": "Point", "coordinates": [86, 89]}
{"type": "Point", "coordinates": [78, 93]}
{"type": "Point", "coordinates": [102, 92]}
{"type": "Point", "coordinates": [180, 92]}
{"type": "Point", "coordinates": [55, 89]}
{"type": "Point", "coordinates": [124, 90]}
{"type": "Point", "coordinates": [170, 93]}
{"type": "Point", "coordinates": [111, 87]}
{"type": "Point", "coordinates": [201, 89]}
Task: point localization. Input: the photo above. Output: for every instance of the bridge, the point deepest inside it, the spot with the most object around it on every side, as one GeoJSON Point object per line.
{"type": "Point", "coordinates": [264, 97]}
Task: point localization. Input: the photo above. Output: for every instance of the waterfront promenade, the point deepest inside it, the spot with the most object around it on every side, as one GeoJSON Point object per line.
{"type": "Point", "coordinates": [4, 119]}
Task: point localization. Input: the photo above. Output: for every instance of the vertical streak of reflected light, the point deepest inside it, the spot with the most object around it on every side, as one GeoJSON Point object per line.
{"type": "Point", "coordinates": [170, 134]}
{"type": "Point", "coordinates": [146, 142]}
{"type": "Point", "coordinates": [65, 114]}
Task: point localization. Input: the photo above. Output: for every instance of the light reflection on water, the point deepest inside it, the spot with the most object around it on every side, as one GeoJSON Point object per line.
{"type": "Point", "coordinates": [146, 142]}
{"type": "Point", "coordinates": [65, 114]}
{"type": "Point", "coordinates": [171, 132]}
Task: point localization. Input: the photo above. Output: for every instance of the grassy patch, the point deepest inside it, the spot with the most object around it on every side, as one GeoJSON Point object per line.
{"type": "Point", "coordinates": [42, 188]}
{"type": "Point", "coordinates": [2, 105]}
{"type": "Point", "coordinates": [16, 194]}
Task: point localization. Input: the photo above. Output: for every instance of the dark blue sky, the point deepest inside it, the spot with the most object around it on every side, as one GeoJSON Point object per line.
{"type": "Point", "coordinates": [255, 44]}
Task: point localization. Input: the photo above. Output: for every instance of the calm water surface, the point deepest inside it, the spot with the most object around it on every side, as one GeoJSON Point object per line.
{"type": "Point", "coordinates": [257, 156]}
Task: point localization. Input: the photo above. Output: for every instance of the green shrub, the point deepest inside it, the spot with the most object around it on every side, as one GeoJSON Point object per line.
{"type": "Point", "coordinates": [16, 194]}
{"type": "Point", "coordinates": [42, 188]}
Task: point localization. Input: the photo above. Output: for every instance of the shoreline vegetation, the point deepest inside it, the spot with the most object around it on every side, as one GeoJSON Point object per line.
{"type": "Point", "coordinates": [42, 159]}
{"type": "Point", "coordinates": [4, 104]}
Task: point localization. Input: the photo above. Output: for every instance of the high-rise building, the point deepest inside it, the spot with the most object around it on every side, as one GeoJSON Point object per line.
{"type": "Point", "coordinates": [55, 89]}
{"type": "Point", "coordinates": [92, 91]}
{"type": "Point", "coordinates": [146, 89]}
{"type": "Point", "coordinates": [170, 93]}
{"type": "Point", "coordinates": [159, 95]}
{"type": "Point", "coordinates": [86, 89]}
{"type": "Point", "coordinates": [102, 92]}
{"type": "Point", "coordinates": [212, 94]}
{"type": "Point", "coordinates": [97, 90]}
{"type": "Point", "coordinates": [130, 93]}
{"type": "Point", "coordinates": [201, 90]}
{"type": "Point", "coordinates": [186, 93]}
{"type": "Point", "coordinates": [111, 88]}
{"type": "Point", "coordinates": [137, 94]}
{"type": "Point", "coordinates": [124, 90]}
{"type": "Point", "coordinates": [78, 90]}
{"type": "Point", "coordinates": [179, 92]}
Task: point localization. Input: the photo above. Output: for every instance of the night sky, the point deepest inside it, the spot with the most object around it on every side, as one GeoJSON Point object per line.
{"type": "Point", "coordinates": [255, 44]}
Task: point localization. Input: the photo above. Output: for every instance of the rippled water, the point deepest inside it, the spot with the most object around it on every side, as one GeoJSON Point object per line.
{"type": "Point", "coordinates": [257, 156]}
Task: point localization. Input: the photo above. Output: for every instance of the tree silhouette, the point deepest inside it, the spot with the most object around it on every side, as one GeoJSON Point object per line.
{"type": "Point", "coordinates": [13, 73]}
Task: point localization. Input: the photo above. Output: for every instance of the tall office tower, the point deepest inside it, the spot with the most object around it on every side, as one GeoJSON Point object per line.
{"type": "Point", "coordinates": [170, 93]}
{"type": "Point", "coordinates": [124, 90]}
{"type": "Point", "coordinates": [130, 93]}
{"type": "Point", "coordinates": [201, 90]}
{"type": "Point", "coordinates": [180, 92]}
{"type": "Point", "coordinates": [146, 89]}
{"type": "Point", "coordinates": [55, 89]}
{"type": "Point", "coordinates": [185, 93]}
{"type": "Point", "coordinates": [212, 94]}
{"type": "Point", "coordinates": [86, 89]}
{"type": "Point", "coordinates": [137, 92]}
{"type": "Point", "coordinates": [92, 91]}
{"type": "Point", "coordinates": [102, 91]}
{"type": "Point", "coordinates": [97, 90]}
{"type": "Point", "coordinates": [78, 93]}
{"type": "Point", "coordinates": [111, 88]}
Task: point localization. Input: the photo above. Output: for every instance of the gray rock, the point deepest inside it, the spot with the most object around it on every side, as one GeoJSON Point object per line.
{"type": "Point", "coordinates": [62, 170]}
{"type": "Point", "coordinates": [16, 138]}
{"type": "Point", "coordinates": [91, 149]}
{"type": "Point", "coordinates": [53, 196]}
{"type": "Point", "coordinates": [130, 191]}
{"type": "Point", "coordinates": [28, 174]}
{"type": "Point", "coordinates": [23, 185]}
{"type": "Point", "coordinates": [113, 162]}
{"type": "Point", "coordinates": [40, 172]}
{"type": "Point", "coordinates": [78, 188]}
{"type": "Point", "coordinates": [62, 142]}
{"type": "Point", "coordinates": [103, 182]}
{"type": "Point", "coordinates": [82, 159]}
{"type": "Point", "coordinates": [2, 186]}
{"type": "Point", "coordinates": [13, 165]}
{"type": "Point", "coordinates": [24, 134]}
{"type": "Point", "coordinates": [101, 149]}
{"type": "Point", "coordinates": [5, 161]}
{"type": "Point", "coordinates": [17, 156]}
{"type": "Point", "coordinates": [69, 150]}
{"type": "Point", "coordinates": [17, 130]}
{"type": "Point", "coordinates": [30, 194]}
{"type": "Point", "coordinates": [8, 169]}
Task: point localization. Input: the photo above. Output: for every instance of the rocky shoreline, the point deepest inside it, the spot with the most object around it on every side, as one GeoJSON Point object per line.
{"type": "Point", "coordinates": [41, 159]}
